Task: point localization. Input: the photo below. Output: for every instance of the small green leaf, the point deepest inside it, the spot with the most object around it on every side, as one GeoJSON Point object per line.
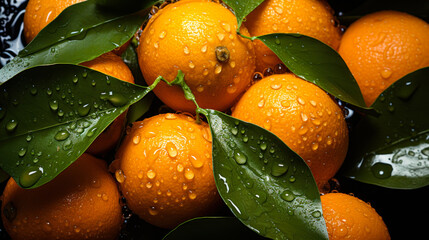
{"type": "Point", "coordinates": [215, 228]}
{"type": "Point", "coordinates": [242, 8]}
{"type": "Point", "coordinates": [265, 184]}
{"type": "Point", "coordinates": [392, 149]}
{"type": "Point", "coordinates": [51, 114]}
{"type": "Point", "coordinates": [80, 33]}
{"type": "Point", "coordinates": [316, 62]}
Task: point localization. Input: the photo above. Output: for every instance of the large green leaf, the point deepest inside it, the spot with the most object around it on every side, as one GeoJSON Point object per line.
{"type": "Point", "coordinates": [316, 62]}
{"type": "Point", "coordinates": [242, 8]}
{"type": "Point", "coordinates": [49, 115]}
{"type": "Point", "coordinates": [80, 33]}
{"type": "Point", "coordinates": [264, 183]}
{"type": "Point", "coordinates": [215, 228]}
{"type": "Point", "coordinates": [392, 149]}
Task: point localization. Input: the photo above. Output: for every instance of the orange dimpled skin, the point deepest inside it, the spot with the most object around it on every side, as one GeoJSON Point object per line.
{"type": "Point", "coordinates": [39, 13]}
{"type": "Point", "coordinates": [111, 65]}
{"type": "Point", "coordinates": [313, 18]}
{"type": "Point", "coordinates": [199, 38]}
{"type": "Point", "coordinates": [303, 116]}
{"type": "Point", "coordinates": [164, 168]}
{"type": "Point", "coordinates": [382, 47]}
{"type": "Point", "coordinates": [348, 217]}
{"type": "Point", "coordinates": [82, 202]}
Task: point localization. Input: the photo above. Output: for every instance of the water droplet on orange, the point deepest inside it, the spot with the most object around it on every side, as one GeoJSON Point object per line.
{"type": "Point", "coordinates": [119, 175]}
{"type": "Point", "coordinates": [151, 174]}
{"type": "Point", "coordinates": [189, 174]}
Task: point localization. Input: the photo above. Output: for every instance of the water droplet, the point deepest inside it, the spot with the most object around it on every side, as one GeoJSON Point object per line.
{"type": "Point", "coordinates": [53, 105]}
{"type": "Point", "coordinates": [179, 167]}
{"type": "Point", "coordinates": [186, 50]}
{"type": "Point", "coordinates": [234, 131]}
{"type": "Point", "coordinates": [381, 170]}
{"type": "Point", "coordinates": [425, 151]}
{"type": "Point", "coordinates": [151, 174]}
{"type": "Point", "coordinates": [115, 99]}
{"type": "Point", "coordinates": [162, 34]}
{"type": "Point", "coordinates": [33, 90]}
{"type": "Point", "coordinates": [83, 110]}
{"type": "Point", "coordinates": [119, 175]}
{"type": "Point", "coordinates": [226, 27]}
{"type": "Point", "coordinates": [316, 214]}
{"type": "Point", "coordinates": [240, 158]}
{"type": "Point", "coordinates": [261, 103]}
{"type": "Point", "coordinates": [30, 176]}
{"type": "Point", "coordinates": [218, 69]}
{"type": "Point", "coordinates": [22, 152]}
{"type": "Point", "coordinates": [191, 65]}
{"type": "Point", "coordinates": [276, 86]}
{"type": "Point", "coordinates": [152, 211]}
{"type": "Point", "coordinates": [196, 163]}
{"type": "Point", "coordinates": [287, 195]}
{"type": "Point", "coordinates": [171, 149]}
{"type": "Point", "coordinates": [278, 169]}
{"type": "Point", "coordinates": [75, 79]}
{"type": "Point", "coordinates": [62, 135]}
{"type": "Point", "coordinates": [304, 117]}
{"type": "Point", "coordinates": [200, 88]}
{"type": "Point", "coordinates": [232, 88]}
{"type": "Point", "coordinates": [192, 195]}
{"type": "Point", "coordinates": [386, 73]}
{"type": "Point", "coordinates": [11, 125]}
{"type": "Point", "coordinates": [189, 174]}
{"type": "Point", "coordinates": [263, 146]}
{"type": "Point", "coordinates": [136, 139]}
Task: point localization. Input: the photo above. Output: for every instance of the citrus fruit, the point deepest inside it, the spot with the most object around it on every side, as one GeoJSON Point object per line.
{"type": "Point", "coordinates": [313, 18]}
{"type": "Point", "coordinates": [39, 13]}
{"type": "Point", "coordinates": [303, 116]}
{"type": "Point", "coordinates": [382, 47]}
{"type": "Point", "coordinates": [348, 217]}
{"type": "Point", "coordinates": [112, 65]}
{"type": "Point", "coordinates": [199, 38]}
{"type": "Point", "coordinates": [164, 167]}
{"type": "Point", "coordinates": [82, 202]}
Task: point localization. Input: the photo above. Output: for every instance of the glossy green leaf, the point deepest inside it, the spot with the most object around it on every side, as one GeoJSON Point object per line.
{"type": "Point", "coordinates": [392, 149]}
{"type": "Point", "coordinates": [80, 33]}
{"type": "Point", "coordinates": [265, 184]}
{"type": "Point", "coordinates": [50, 114]}
{"type": "Point", "coordinates": [242, 8]}
{"type": "Point", "coordinates": [215, 228]}
{"type": "Point", "coordinates": [316, 62]}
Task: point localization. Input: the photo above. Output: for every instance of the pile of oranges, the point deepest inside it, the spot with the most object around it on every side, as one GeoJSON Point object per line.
{"type": "Point", "coordinates": [163, 166]}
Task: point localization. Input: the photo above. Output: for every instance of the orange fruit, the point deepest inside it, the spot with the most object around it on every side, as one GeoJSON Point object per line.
{"type": "Point", "coordinates": [82, 202]}
{"type": "Point", "coordinates": [348, 217]}
{"type": "Point", "coordinates": [199, 38]}
{"type": "Point", "coordinates": [164, 167]}
{"type": "Point", "coordinates": [39, 13]}
{"type": "Point", "coordinates": [382, 47]}
{"type": "Point", "coordinates": [112, 65]}
{"type": "Point", "coordinates": [303, 116]}
{"type": "Point", "coordinates": [313, 18]}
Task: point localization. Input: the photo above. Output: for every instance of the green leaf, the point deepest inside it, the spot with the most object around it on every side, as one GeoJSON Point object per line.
{"type": "Point", "coordinates": [80, 33]}
{"type": "Point", "coordinates": [215, 228]}
{"type": "Point", "coordinates": [3, 176]}
{"type": "Point", "coordinates": [242, 8]}
{"type": "Point", "coordinates": [316, 62]}
{"type": "Point", "coordinates": [50, 114]}
{"type": "Point", "coordinates": [265, 184]}
{"type": "Point", "coordinates": [392, 149]}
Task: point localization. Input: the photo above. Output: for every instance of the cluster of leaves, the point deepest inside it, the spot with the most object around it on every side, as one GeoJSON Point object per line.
{"type": "Point", "coordinates": [52, 109]}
